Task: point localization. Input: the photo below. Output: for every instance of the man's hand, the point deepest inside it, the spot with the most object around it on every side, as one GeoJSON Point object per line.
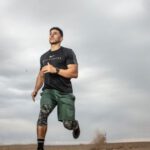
{"type": "Point", "coordinates": [34, 93]}
{"type": "Point", "coordinates": [49, 68]}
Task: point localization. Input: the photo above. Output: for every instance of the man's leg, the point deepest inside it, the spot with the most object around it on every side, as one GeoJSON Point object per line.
{"type": "Point", "coordinates": [42, 125]}
{"type": "Point", "coordinates": [73, 125]}
{"type": "Point", "coordinates": [41, 131]}
{"type": "Point", "coordinates": [66, 113]}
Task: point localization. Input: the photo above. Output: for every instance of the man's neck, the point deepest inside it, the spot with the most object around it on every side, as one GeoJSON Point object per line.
{"type": "Point", "coordinates": [55, 47]}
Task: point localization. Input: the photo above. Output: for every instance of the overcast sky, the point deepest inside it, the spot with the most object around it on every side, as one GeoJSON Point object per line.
{"type": "Point", "coordinates": [111, 42]}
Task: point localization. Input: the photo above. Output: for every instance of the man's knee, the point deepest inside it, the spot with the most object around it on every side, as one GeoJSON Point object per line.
{"type": "Point", "coordinates": [44, 112]}
{"type": "Point", "coordinates": [68, 124]}
{"type": "Point", "coordinates": [41, 121]}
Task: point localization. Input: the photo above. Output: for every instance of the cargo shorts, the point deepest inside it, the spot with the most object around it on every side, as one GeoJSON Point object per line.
{"type": "Point", "coordinates": [65, 103]}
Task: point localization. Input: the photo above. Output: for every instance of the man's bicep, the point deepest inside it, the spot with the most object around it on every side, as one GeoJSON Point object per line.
{"type": "Point", "coordinates": [73, 67]}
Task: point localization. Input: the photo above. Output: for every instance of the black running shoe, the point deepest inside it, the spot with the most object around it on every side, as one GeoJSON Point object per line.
{"type": "Point", "coordinates": [76, 130]}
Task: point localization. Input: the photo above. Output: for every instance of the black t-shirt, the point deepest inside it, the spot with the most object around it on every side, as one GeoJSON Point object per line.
{"type": "Point", "coordinates": [59, 58]}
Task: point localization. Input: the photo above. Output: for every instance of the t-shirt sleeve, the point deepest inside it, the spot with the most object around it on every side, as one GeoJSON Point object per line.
{"type": "Point", "coordinates": [71, 58]}
{"type": "Point", "coordinates": [41, 65]}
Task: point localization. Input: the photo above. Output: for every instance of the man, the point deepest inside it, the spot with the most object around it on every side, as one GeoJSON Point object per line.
{"type": "Point", "coordinates": [57, 66]}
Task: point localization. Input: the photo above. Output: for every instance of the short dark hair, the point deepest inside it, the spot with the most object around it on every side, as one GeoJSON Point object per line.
{"type": "Point", "coordinates": [57, 28]}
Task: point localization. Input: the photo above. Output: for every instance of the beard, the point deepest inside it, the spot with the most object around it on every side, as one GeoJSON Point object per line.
{"type": "Point", "coordinates": [54, 42]}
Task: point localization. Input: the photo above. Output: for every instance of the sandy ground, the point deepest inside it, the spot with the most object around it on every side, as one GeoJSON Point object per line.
{"type": "Point", "coordinates": [107, 146]}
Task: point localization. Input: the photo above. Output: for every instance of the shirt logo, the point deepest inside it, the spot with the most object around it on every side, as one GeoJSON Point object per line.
{"type": "Point", "coordinates": [51, 56]}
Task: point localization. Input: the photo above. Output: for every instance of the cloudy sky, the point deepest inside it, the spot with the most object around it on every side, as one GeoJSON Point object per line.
{"type": "Point", "coordinates": [111, 42]}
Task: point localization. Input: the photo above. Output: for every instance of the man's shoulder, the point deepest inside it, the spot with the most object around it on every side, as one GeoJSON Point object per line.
{"type": "Point", "coordinates": [67, 50]}
{"type": "Point", "coordinates": [70, 56]}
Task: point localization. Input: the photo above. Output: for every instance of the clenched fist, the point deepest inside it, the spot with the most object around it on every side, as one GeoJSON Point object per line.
{"type": "Point", "coordinates": [34, 93]}
{"type": "Point", "coordinates": [49, 68]}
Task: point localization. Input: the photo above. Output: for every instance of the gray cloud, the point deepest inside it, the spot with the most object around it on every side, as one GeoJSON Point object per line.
{"type": "Point", "coordinates": [111, 41]}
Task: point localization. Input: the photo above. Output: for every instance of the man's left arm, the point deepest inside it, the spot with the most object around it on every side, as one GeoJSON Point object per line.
{"type": "Point", "coordinates": [70, 72]}
{"type": "Point", "coordinates": [72, 67]}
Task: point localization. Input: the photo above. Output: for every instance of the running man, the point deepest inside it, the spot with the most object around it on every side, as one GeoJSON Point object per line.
{"type": "Point", "coordinates": [57, 66]}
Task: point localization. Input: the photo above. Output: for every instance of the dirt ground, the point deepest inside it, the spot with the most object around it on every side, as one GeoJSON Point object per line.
{"type": "Point", "coordinates": [107, 146]}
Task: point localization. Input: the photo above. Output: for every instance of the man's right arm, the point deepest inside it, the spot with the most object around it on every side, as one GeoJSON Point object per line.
{"type": "Point", "coordinates": [38, 85]}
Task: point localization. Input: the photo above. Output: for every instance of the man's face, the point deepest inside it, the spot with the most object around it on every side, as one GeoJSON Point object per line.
{"type": "Point", "coordinates": [55, 37]}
